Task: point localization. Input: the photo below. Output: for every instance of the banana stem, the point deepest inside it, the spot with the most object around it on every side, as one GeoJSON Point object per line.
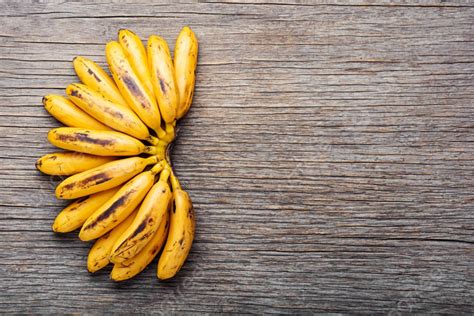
{"type": "Point", "coordinates": [167, 156]}
{"type": "Point", "coordinates": [160, 132]}
{"type": "Point", "coordinates": [161, 150]}
{"type": "Point", "coordinates": [162, 143]}
{"type": "Point", "coordinates": [174, 182]}
{"type": "Point", "coordinates": [165, 174]}
{"type": "Point", "coordinates": [158, 167]}
{"type": "Point", "coordinates": [170, 130]}
{"type": "Point", "coordinates": [151, 150]}
{"type": "Point", "coordinates": [151, 160]}
{"type": "Point", "coordinates": [169, 133]}
{"type": "Point", "coordinates": [152, 140]}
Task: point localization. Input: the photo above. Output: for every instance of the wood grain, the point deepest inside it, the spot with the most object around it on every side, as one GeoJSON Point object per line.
{"type": "Point", "coordinates": [329, 153]}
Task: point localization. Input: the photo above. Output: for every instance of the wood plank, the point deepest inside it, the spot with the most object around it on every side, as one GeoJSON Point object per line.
{"type": "Point", "coordinates": [329, 154]}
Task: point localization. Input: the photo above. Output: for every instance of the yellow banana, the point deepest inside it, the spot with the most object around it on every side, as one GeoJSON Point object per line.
{"type": "Point", "coordinates": [112, 114]}
{"type": "Point", "coordinates": [68, 163]}
{"type": "Point", "coordinates": [75, 214]}
{"type": "Point", "coordinates": [93, 76]}
{"type": "Point", "coordinates": [101, 178]}
{"type": "Point", "coordinates": [115, 143]}
{"type": "Point", "coordinates": [69, 114]}
{"type": "Point", "coordinates": [134, 91]}
{"type": "Point", "coordinates": [181, 234]}
{"type": "Point", "coordinates": [185, 62]}
{"type": "Point", "coordinates": [148, 219]}
{"type": "Point", "coordinates": [131, 267]}
{"type": "Point", "coordinates": [136, 55]}
{"type": "Point", "coordinates": [100, 143]}
{"type": "Point", "coordinates": [163, 77]}
{"type": "Point", "coordinates": [99, 254]}
{"type": "Point", "coordinates": [115, 210]}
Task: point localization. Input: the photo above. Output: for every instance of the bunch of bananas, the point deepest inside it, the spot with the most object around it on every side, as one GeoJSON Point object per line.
{"type": "Point", "coordinates": [117, 132]}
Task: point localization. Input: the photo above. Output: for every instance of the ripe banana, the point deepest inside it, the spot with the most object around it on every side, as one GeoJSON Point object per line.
{"type": "Point", "coordinates": [115, 210]}
{"type": "Point", "coordinates": [100, 143]}
{"type": "Point", "coordinates": [75, 214]}
{"type": "Point", "coordinates": [163, 77]}
{"type": "Point", "coordinates": [134, 91]}
{"type": "Point", "coordinates": [118, 132]}
{"type": "Point", "coordinates": [149, 217]}
{"type": "Point", "coordinates": [99, 254]}
{"type": "Point", "coordinates": [69, 114]}
{"type": "Point", "coordinates": [136, 55]}
{"type": "Point", "coordinates": [112, 114]}
{"type": "Point", "coordinates": [101, 178]}
{"type": "Point", "coordinates": [93, 76]}
{"type": "Point", "coordinates": [68, 163]}
{"type": "Point", "coordinates": [181, 233]}
{"type": "Point", "coordinates": [185, 62]}
{"type": "Point", "coordinates": [133, 266]}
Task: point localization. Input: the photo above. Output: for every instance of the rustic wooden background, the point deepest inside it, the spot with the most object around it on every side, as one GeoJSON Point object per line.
{"type": "Point", "coordinates": [329, 153]}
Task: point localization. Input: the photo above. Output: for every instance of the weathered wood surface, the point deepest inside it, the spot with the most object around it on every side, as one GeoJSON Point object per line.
{"type": "Point", "coordinates": [329, 153]}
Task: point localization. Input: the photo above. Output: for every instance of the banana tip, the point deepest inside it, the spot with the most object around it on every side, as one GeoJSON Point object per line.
{"type": "Point", "coordinates": [164, 277]}
{"type": "Point", "coordinates": [91, 268]}
{"type": "Point", "coordinates": [83, 237]}
{"type": "Point", "coordinates": [116, 277]}
{"type": "Point", "coordinates": [122, 30]}
{"type": "Point", "coordinates": [58, 194]}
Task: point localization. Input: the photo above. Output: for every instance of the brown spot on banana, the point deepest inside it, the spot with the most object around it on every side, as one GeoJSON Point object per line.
{"type": "Point", "coordinates": [79, 202]}
{"type": "Point", "coordinates": [139, 229]}
{"type": "Point", "coordinates": [84, 137]}
{"type": "Point", "coordinates": [135, 90]}
{"type": "Point", "coordinates": [75, 93]}
{"type": "Point", "coordinates": [162, 84]}
{"type": "Point", "coordinates": [92, 73]}
{"type": "Point", "coordinates": [114, 113]}
{"type": "Point", "coordinates": [92, 180]}
{"type": "Point", "coordinates": [111, 210]}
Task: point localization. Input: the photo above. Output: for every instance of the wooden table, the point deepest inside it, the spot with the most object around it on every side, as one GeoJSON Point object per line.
{"type": "Point", "coordinates": [329, 154]}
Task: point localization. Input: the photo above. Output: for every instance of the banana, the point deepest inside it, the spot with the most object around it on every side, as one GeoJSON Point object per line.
{"type": "Point", "coordinates": [99, 254]}
{"type": "Point", "coordinates": [112, 114]}
{"type": "Point", "coordinates": [115, 210]}
{"type": "Point", "coordinates": [118, 130]}
{"type": "Point", "coordinates": [100, 143]}
{"type": "Point", "coordinates": [148, 219]}
{"type": "Point", "coordinates": [68, 163]}
{"type": "Point", "coordinates": [185, 62]}
{"type": "Point", "coordinates": [181, 233]}
{"type": "Point", "coordinates": [134, 91]}
{"type": "Point", "coordinates": [133, 266]}
{"type": "Point", "coordinates": [101, 178]}
{"type": "Point", "coordinates": [163, 77]}
{"type": "Point", "coordinates": [75, 214]}
{"type": "Point", "coordinates": [93, 76]}
{"type": "Point", "coordinates": [136, 55]}
{"type": "Point", "coordinates": [69, 114]}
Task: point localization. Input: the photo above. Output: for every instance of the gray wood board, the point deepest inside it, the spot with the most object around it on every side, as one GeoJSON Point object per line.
{"type": "Point", "coordinates": [329, 154]}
